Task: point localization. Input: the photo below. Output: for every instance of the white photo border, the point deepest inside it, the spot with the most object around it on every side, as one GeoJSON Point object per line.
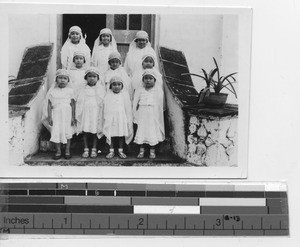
{"type": "Point", "coordinates": [244, 60]}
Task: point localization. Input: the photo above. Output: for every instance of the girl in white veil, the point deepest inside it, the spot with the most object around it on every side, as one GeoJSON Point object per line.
{"type": "Point", "coordinates": [103, 46]}
{"type": "Point", "coordinates": [58, 114]}
{"type": "Point", "coordinates": [75, 42]}
{"type": "Point", "coordinates": [148, 114]}
{"type": "Point", "coordinates": [138, 48]}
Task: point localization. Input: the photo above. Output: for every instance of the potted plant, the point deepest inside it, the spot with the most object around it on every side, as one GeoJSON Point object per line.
{"type": "Point", "coordinates": [215, 81]}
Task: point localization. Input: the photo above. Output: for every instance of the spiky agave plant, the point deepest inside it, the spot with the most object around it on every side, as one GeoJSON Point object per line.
{"type": "Point", "coordinates": [219, 83]}
{"type": "Point", "coordinates": [216, 84]}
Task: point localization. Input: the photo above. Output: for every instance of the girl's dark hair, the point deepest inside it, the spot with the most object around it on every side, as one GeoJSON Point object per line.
{"type": "Point", "coordinates": [151, 59]}
{"type": "Point", "coordinates": [151, 75]}
{"type": "Point", "coordinates": [114, 58]}
{"type": "Point", "coordinates": [74, 59]}
{"type": "Point", "coordinates": [85, 77]}
{"type": "Point", "coordinates": [57, 76]}
{"type": "Point", "coordinates": [136, 40]}
{"type": "Point", "coordinates": [112, 83]}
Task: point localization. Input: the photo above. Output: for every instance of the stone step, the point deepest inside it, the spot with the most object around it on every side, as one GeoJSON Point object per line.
{"type": "Point", "coordinates": [162, 159]}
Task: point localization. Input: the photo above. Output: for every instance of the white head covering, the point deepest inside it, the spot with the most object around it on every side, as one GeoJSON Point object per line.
{"type": "Point", "coordinates": [149, 55]}
{"type": "Point", "coordinates": [79, 53]}
{"type": "Point", "coordinates": [115, 54]}
{"type": "Point", "coordinates": [116, 79]}
{"type": "Point", "coordinates": [78, 30]}
{"type": "Point", "coordinates": [150, 72]}
{"type": "Point", "coordinates": [45, 103]}
{"type": "Point", "coordinates": [82, 54]}
{"type": "Point", "coordinates": [92, 70]}
{"type": "Point", "coordinates": [105, 31]}
{"type": "Point", "coordinates": [62, 72]}
{"type": "Point", "coordinates": [139, 35]}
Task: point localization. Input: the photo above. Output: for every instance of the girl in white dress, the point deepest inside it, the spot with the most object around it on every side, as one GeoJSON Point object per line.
{"type": "Point", "coordinates": [103, 46]}
{"type": "Point", "coordinates": [117, 117]}
{"type": "Point", "coordinates": [148, 114]}
{"type": "Point", "coordinates": [148, 62]}
{"type": "Point", "coordinates": [89, 107]}
{"type": "Point", "coordinates": [77, 71]}
{"type": "Point", "coordinates": [115, 69]}
{"type": "Point", "coordinates": [138, 48]}
{"type": "Point", "coordinates": [59, 113]}
{"type": "Point", "coordinates": [75, 42]}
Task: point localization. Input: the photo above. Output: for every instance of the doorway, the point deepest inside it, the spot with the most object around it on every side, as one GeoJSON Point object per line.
{"type": "Point", "coordinates": [123, 26]}
{"type": "Point", "coordinates": [90, 24]}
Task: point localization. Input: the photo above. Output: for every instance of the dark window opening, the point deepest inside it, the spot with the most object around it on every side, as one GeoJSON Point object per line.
{"type": "Point", "coordinates": [120, 22]}
{"type": "Point", "coordinates": [135, 22]}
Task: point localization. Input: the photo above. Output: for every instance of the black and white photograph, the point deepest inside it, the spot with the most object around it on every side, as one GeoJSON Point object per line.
{"type": "Point", "coordinates": [128, 93]}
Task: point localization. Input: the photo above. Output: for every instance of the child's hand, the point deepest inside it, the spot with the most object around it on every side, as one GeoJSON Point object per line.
{"type": "Point", "coordinates": [50, 121]}
{"type": "Point", "coordinates": [73, 122]}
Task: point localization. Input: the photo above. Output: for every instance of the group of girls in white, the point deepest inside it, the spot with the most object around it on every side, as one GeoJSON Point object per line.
{"type": "Point", "coordinates": [94, 95]}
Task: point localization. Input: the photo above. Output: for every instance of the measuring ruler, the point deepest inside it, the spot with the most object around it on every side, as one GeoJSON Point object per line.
{"type": "Point", "coordinates": [144, 209]}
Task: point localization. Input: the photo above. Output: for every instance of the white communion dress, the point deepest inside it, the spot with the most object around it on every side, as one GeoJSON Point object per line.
{"type": "Point", "coordinates": [89, 107]}
{"type": "Point", "coordinates": [117, 116]}
{"type": "Point", "coordinates": [60, 99]}
{"type": "Point", "coordinates": [148, 115]}
{"type": "Point", "coordinates": [77, 78]}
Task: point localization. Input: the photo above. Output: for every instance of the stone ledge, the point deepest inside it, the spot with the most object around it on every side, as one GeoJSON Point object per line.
{"type": "Point", "coordinates": [162, 159]}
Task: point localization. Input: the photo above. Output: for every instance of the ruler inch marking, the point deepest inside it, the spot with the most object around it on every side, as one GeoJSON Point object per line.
{"type": "Point", "coordinates": [237, 220]}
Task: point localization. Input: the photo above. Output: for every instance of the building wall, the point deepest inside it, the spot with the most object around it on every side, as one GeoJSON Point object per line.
{"type": "Point", "coordinates": [176, 125]}
{"type": "Point", "coordinates": [33, 123]}
{"type": "Point", "coordinates": [214, 36]}
{"type": "Point", "coordinates": [28, 30]}
{"type": "Point", "coordinates": [25, 31]}
{"type": "Point", "coordinates": [16, 140]}
{"type": "Point", "coordinates": [230, 51]}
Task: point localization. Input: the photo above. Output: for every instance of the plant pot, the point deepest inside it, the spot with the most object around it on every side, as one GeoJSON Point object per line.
{"type": "Point", "coordinates": [215, 99]}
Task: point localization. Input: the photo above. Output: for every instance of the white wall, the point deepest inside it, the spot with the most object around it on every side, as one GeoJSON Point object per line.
{"type": "Point", "coordinates": [28, 30]}
{"type": "Point", "coordinates": [33, 123]}
{"type": "Point", "coordinates": [16, 140]}
{"type": "Point", "coordinates": [214, 36]}
{"type": "Point", "coordinates": [24, 31]}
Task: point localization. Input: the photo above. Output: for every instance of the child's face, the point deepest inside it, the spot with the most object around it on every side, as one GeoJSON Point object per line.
{"type": "Point", "coordinates": [62, 81]}
{"type": "Point", "coordinates": [105, 39]}
{"type": "Point", "coordinates": [75, 37]}
{"type": "Point", "coordinates": [149, 81]}
{"type": "Point", "coordinates": [116, 86]}
{"type": "Point", "coordinates": [148, 63]}
{"type": "Point", "coordinates": [91, 79]}
{"type": "Point", "coordinates": [79, 61]}
{"type": "Point", "coordinates": [114, 63]}
{"type": "Point", "coordinates": [141, 43]}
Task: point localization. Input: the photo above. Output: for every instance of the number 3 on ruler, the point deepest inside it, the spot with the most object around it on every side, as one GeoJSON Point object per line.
{"type": "Point", "coordinates": [218, 222]}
